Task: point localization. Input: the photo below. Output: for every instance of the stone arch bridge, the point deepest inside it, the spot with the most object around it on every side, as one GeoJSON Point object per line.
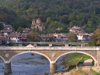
{"type": "Point", "coordinates": [51, 53]}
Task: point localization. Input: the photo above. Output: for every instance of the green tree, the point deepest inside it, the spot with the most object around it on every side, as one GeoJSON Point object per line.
{"type": "Point", "coordinates": [48, 20]}
{"type": "Point", "coordinates": [33, 36]}
{"type": "Point", "coordinates": [71, 37]}
{"type": "Point", "coordinates": [91, 43]}
{"type": "Point", "coordinates": [64, 19]}
{"type": "Point", "coordinates": [71, 17]}
{"type": "Point", "coordinates": [20, 29]}
{"type": "Point", "coordinates": [96, 37]}
{"type": "Point", "coordinates": [1, 26]}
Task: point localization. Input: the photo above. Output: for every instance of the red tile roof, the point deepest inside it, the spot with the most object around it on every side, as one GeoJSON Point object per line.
{"type": "Point", "coordinates": [85, 34]}
{"type": "Point", "coordinates": [5, 31]}
{"type": "Point", "coordinates": [27, 29]}
{"type": "Point", "coordinates": [14, 34]}
{"type": "Point", "coordinates": [3, 38]}
{"type": "Point", "coordinates": [1, 33]}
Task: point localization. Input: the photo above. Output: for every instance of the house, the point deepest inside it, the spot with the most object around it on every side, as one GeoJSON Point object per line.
{"type": "Point", "coordinates": [5, 32]}
{"type": "Point", "coordinates": [76, 29]}
{"type": "Point", "coordinates": [60, 37]}
{"type": "Point", "coordinates": [26, 31]}
{"type": "Point", "coordinates": [84, 36]}
{"type": "Point", "coordinates": [45, 38]}
{"type": "Point", "coordinates": [57, 37]}
{"type": "Point", "coordinates": [1, 34]}
{"type": "Point", "coordinates": [15, 37]}
{"type": "Point", "coordinates": [9, 28]}
{"type": "Point", "coordinates": [80, 33]}
{"type": "Point", "coordinates": [37, 25]}
{"type": "Point", "coordinates": [4, 40]}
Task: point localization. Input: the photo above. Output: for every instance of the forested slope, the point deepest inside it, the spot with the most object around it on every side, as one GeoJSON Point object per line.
{"type": "Point", "coordinates": [56, 13]}
{"type": "Point", "coordinates": [10, 17]}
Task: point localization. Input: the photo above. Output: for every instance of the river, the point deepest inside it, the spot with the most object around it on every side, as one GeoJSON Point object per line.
{"type": "Point", "coordinates": [29, 64]}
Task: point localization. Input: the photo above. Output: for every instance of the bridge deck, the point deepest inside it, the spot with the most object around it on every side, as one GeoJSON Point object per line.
{"type": "Point", "coordinates": [47, 48]}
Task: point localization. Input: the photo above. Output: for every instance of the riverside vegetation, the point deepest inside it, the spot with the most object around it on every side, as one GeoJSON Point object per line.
{"type": "Point", "coordinates": [70, 61]}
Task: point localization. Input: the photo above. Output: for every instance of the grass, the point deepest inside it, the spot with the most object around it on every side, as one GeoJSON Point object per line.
{"type": "Point", "coordinates": [72, 59]}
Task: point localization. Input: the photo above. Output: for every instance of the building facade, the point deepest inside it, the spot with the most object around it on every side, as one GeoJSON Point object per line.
{"type": "Point", "coordinates": [37, 25]}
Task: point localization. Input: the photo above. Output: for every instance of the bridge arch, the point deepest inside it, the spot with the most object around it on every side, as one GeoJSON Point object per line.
{"type": "Point", "coordinates": [30, 52]}
{"type": "Point", "coordinates": [77, 52]}
{"type": "Point", "coordinates": [2, 58]}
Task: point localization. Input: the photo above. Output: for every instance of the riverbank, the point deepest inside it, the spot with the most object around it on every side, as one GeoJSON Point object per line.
{"type": "Point", "coordinates": [70, 62]}
{"type": "Point", "coordinates": [84, 70]}
{"type": "Point", "coordinates": [73, 60]}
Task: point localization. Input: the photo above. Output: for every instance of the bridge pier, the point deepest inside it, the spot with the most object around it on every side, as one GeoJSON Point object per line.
{"type": "Point", "coordinates": [96, 64]}
{"type": "Point", "coordinates": [7, 67]}
{"type": "Point", "coordinates": [52, 67]}
{"type": "Point", "coordinates": [82, 45]}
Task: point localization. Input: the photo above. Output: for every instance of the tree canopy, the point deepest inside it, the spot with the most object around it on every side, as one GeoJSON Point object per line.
{"type": "Point", "coordinates": [20, 29]}
{"type": "Point", "coordinates": [67, 13]}
{"type": "Point", "coordinates": [71, 37]}
{"type": "Point", "coordinates": [1, 26]}
{"type": "Point", "coordinates": [96, 37]}
{"type": "Point", "coordinates": [33, 36]}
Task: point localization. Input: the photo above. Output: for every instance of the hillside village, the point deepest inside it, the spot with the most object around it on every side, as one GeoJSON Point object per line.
{"type": "Point", "coordinates": [9, 35]}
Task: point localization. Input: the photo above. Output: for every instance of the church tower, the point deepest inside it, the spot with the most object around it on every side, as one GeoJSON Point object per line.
{"type": "Point", "coordinates": [37, 24]}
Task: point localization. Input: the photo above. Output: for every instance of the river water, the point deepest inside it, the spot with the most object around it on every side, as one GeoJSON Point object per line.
{"type": "Point", "coordinates": [29, 64]}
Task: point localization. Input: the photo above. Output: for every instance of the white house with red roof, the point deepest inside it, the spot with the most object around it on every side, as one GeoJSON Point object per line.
{"type": "Point", "coordinates": [80, 33]}
{"type": "Point", "coordinates": [15, 37]}
{"type": "Point", "coordinates": [84, 36]}
{"type": "Point", "coordinates": [76, 29]}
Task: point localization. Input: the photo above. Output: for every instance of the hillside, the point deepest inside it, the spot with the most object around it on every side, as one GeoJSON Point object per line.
{"type": "Point", "coordinates": [10, 17]}
{"type": "Point", "coordinates": [58, 13]}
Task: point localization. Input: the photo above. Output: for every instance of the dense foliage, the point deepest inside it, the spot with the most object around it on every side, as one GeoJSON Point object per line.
{"type": "Point", "coordinates": [95, 38]}
{"type": "Point", "coordinates": [10, 17]}
{"type": "Point", "coordinates": [33, 36]}
{"type": "Point", "coordinates": [71, 37]}
{"type": "Point", "coordinates": [1, 26]}
{"type": "Point", "coordinates": [74, 59]}
{"type": "Point", "coordinates": [55, 14]}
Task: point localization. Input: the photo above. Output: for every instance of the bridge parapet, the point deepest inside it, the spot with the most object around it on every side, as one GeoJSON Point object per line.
{"type": "Point", "coordinates": [52, 43]}
{"type": "Point", "coordinates": [47, 48]}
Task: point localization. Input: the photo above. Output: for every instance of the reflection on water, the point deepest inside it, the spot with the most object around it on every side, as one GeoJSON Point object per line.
{"type": "Point", "coordinates": [27, 64]}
